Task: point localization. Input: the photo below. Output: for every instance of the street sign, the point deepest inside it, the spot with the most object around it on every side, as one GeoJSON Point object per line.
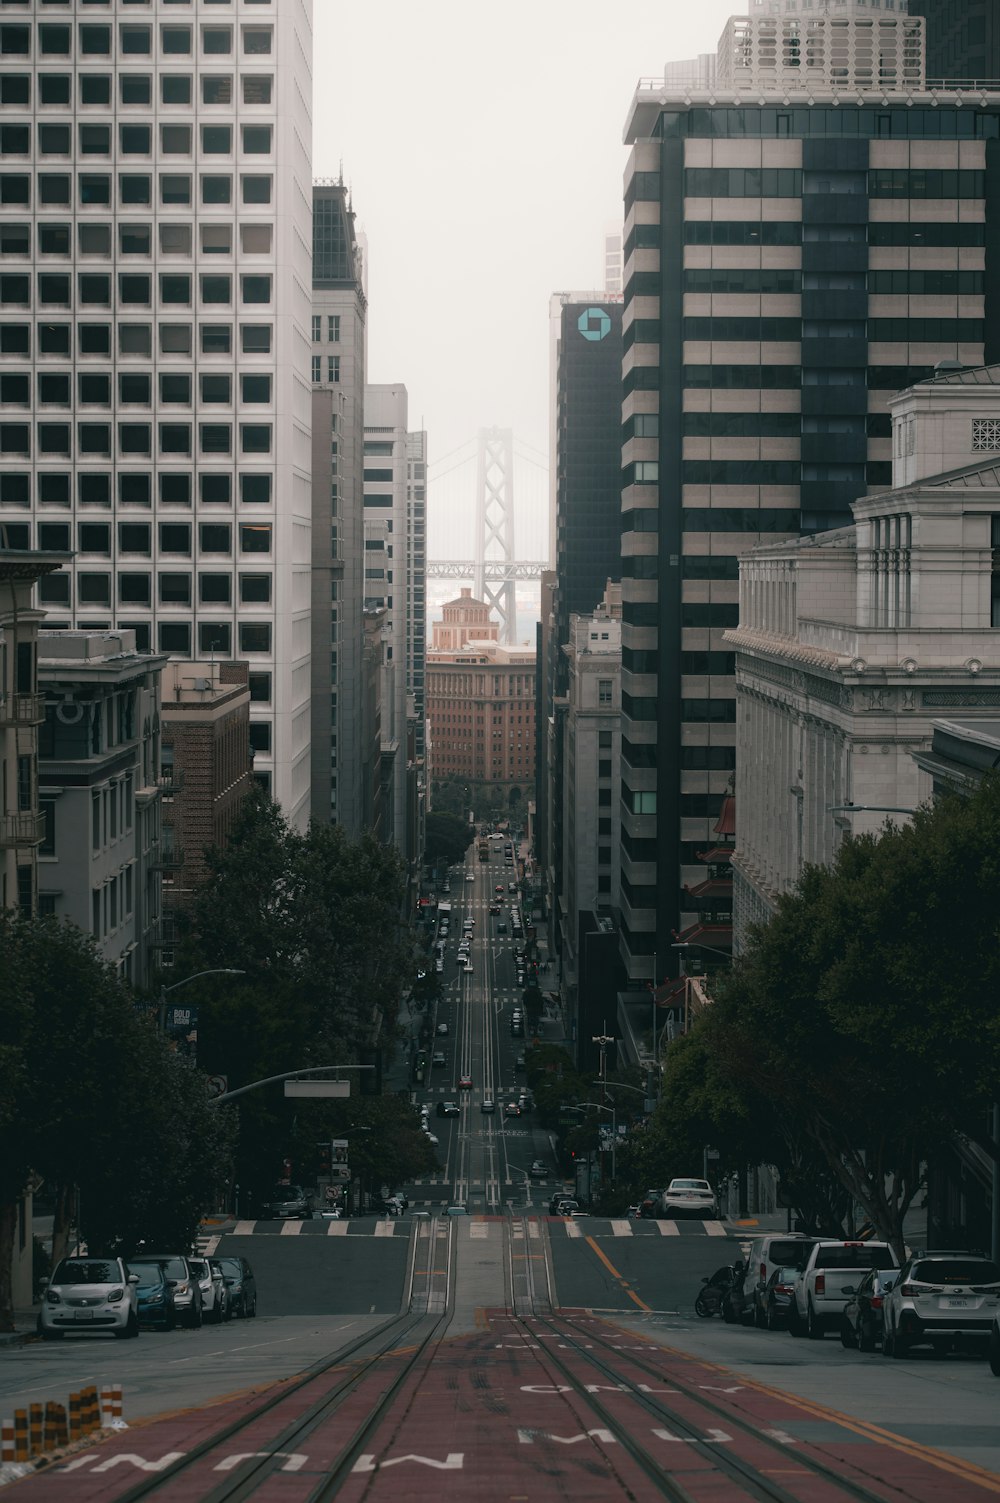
{"type": "Point", "coordinates": [323, 1088]}
{"type": "Point", "coordinates": [217, 1085]}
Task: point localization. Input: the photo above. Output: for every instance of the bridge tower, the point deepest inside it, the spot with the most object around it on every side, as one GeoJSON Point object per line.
{"type": "Point", "coordinates": [495, 528]}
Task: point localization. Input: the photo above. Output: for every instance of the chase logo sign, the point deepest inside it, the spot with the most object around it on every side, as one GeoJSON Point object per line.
{"type": "Point", "coordinates": [594, 323]}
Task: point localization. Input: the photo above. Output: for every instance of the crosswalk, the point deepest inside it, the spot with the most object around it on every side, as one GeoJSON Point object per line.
{"type": "Point", "coordinates": [559, 1227]}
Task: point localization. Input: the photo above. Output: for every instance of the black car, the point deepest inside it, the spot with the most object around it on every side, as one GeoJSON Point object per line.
{"type": "Point", "coordinates": [242, 1286]}
{"type": "Point", "coordinates": [448, 1109]}
{"type": "Point", "coordinates": [775, 1299]}
{"type": "Point", "coordinates": [861, 1322]}
{"type": "Point", "coordinates": [287, 1203]}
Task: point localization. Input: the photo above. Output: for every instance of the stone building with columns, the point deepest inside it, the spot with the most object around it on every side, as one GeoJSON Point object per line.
{"type": "Point", "coordinates": [851, 643]}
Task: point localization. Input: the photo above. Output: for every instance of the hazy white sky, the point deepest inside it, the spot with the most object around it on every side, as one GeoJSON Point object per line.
{"type": "Point", "coordinates": [483, 146]}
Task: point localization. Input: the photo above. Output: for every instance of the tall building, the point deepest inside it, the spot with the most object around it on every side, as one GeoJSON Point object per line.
{"type": "Point", "coordinates": [155, 306]}
{"type": "Point", "coordinates": [789, 264]}
{"type": "Point", "coordinates": [416, 582]}
{"type": "Point", "coordinates": [338, 386]}
{"type": "Point", "coordinates": [385, 577]}
{"type": "Point", "coordinates": [963, 38]}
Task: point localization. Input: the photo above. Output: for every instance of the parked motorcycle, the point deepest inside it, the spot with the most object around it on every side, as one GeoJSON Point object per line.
{"type": "Point", "coordinates": [713, 1299]}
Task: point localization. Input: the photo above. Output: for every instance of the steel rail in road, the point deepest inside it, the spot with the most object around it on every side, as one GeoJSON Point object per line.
{"type": "Point", "coordinates": [587, 1345]}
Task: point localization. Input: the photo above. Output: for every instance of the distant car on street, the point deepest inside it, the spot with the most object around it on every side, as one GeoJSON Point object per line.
{"type": "Point", "coordinates": [465, 1082]}
{"type": "Point", "coordinates": [539, 1169]}
{"type": "Point", "coordinates": [287, 1203]}
{"type": "Point", "coordinates": [242, 1286]}
{"type": "Point", "coordinates": [690, 1197]}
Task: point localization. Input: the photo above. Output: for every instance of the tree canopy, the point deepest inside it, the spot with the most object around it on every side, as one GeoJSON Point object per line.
{"type": "Point", "coordinates": [446, 838]}
{"type": "Point", "coordinates": [862, 1026]}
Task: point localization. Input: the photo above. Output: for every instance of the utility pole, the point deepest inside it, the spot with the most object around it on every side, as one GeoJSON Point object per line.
{"type": "Point", "coordinates": [603, 1040]}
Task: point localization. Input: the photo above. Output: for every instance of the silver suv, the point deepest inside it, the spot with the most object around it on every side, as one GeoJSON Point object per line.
{"type": "Point", "coordinates": [88, 1294]}
{"type": "Point", "coordinates": [941, 1300]}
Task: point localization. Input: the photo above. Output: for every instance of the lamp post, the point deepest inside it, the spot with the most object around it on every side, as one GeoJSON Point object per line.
{"type": "Point", "coordinates": [215, 971]}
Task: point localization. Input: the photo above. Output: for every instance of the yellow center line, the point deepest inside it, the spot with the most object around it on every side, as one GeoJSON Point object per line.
{"type": "Point", "coordinates": [615, 1274]}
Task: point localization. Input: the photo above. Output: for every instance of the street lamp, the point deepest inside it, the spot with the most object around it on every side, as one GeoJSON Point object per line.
{"type": "Point", "coordinates": [215, 971]}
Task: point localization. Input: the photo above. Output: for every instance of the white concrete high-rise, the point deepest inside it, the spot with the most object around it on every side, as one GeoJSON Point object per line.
{"type": "Point", "coordinates": [154, 329]}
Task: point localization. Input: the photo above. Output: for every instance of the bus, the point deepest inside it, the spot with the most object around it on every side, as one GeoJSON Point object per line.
{"type": "Point", "coordinates": [484, 849]}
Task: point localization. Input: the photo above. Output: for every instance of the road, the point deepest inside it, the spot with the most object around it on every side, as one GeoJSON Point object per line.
{"type": "Point", "coordinates": [527, 1356]}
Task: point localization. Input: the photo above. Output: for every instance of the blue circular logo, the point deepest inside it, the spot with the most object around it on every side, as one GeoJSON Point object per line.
{"type": "Point", "coordinates": [594, 323]}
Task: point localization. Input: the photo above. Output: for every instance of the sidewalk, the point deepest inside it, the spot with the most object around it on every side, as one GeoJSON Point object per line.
{"type": "Point", "coordinates": [24, 1327]}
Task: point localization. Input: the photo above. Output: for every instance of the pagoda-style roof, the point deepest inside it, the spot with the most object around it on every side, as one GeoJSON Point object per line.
{"type": "Point", "coordinates": [726, 822]}
{"type": "Point", "coordinates": [712, 936]}
{"type": "Point", "coordinates": [712, 887]}
{"type": "Point", "coordinates": [717, 855]}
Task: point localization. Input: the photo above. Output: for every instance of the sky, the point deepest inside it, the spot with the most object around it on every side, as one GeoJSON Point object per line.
{"type": "Point", "coordinates": [483, 148]}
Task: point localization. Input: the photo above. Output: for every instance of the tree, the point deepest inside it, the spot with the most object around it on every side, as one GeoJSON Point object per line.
{"type": "Point", "coordinates": [447, 838]}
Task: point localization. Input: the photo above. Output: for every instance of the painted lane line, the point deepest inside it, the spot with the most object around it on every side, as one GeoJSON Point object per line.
{"type": "Point", "coordinates": [626, 1287]}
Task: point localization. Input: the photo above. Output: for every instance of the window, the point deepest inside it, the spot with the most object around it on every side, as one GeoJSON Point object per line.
{"type": "Point", "coordinates": [175, 239]}
{"type": "Point", "coordinates": [255, 388]}
{"type": "Point", "coordinates": [175, 537]}
{"type": "Point", "coordinates": [175, 188]}
{"type": "Point", "coordinates": [175, 140]}
{"type": "Point", "coordinates": [15, 289]}
{"type": "Point", "coordinates": [134, 489]}
{"type": "Point", "coordinates": [53, 188]}
{"type": "Point", "coordinates": [256, 88]}
{"type": "Point", "coordinates": [216, 289]}
{"type": "Point", "coordinates": [93, 589]}
{"type": "Point", "coordinates": [255, 239]}
{"type": "Point", "coordinates": [217, 40]}
{"type": "Point", "coordinates": [175, 39]}
{"type": "Point", "coordinates": [134, 187]}
{"type": "Point", "coordinates": [94, 537]}
{"type": "Point", "coordinates": [175, 489]}
{"type": "Point", "coordinates": [215, 537]}
{"type": "Point", "coordinates": [95, 41]}
{"type": "Point", "coordinates": [216, 339]}
{"type": "Point", "coordinates": [134, 239]}
{"type": "Point", "coordinates": [317, 327]}
{"type": "Point", "coordinates": [260, 688]}
{"type": "Point", "coordinates": [53, 41]}
{"type": "Point", "coordinates": [135, 438]}
{"type": "Point", "coordinates": [53, 537]}
{"type": "Point", "coordinates": [216, 488]}
{"type": "Point", "coordinates": [175, 288]}
{"type": "Point", "coordinates": [175, 589]}
{"type": "Point", "coordinates": [94, 438]}
{"type": "Point", "coordinates": [256, 189]}
{"type": "Point", "coordinates": [53, 288]}
{"type": "Point", "coordinates": [604, 690]}
{"type": "Point", "coordinates": [175, 387]}
{"type": "Point", "coordinates": [214, 589]}
{"type": "Point", "coordinates": [135, 40]}
{"type": "Point", "coordinates": [94, 288]}
{"type": "Point", "coordinates": [53, 239]}
{"type": "Point", "coordinates": [94, 490]}
{"type": "Point", "coordinates": [215, 438]}
{"type": "Point", "coordinates": [255, 489]}
{"type": "Point", "coordinates": [255, 339]}
{"type": "Point", "coordinates": [15, 140]}
{"type": "Point", "coordinates": [216, 140]}
{"type": "Point", "coordinates": [53, 339]}
{"type": "Point", "coordinates": [214, 636]}
{"type": "Point", "coordinates": [255, 589]}
{"type": "Point", "coordinates": [134, 537]}
{"type": "Point", "coordinates": [255, 537]}
{"type": "Point", "coordinates": [256, 40]}
{"type": "Point", "coordinates": [95, 140]}
{"type": "Point", "coordinates": [256, 140]}
{"type": "Point", "coordinates": [135, 339]}
{"type": "Point", "coordinates": [175, 88]}
{"type": "Point", "coordinates": [217, 88]}
{"type": "Point", "coordinates": [135, 88]}
{"type": "Point", "coordinates": [134, 289]}
{"type": "Point", "coordinates": [175, 339]}
{"type": "Point", "coordinates": [333, 368]}
{"type": "Point", "coordinates": [53, 489]}
{"type": "Point", "coordinates": [175, 438]}
{"type": "Point", "coordinates": [216, 389]}
{"type": "Point", "coordinates": [135, 387]}
{"type": "Point", "coordinates": [175, 637]}
{"type": "Point", "coordinates": [216, 189]}
{"type": "Point", "coordinates": [255, 636]}
{"type": "Point", "coordinates": [255, 438]}
{"type": "Point", "coordinates": [15, 391]}
{"type": "Point", "coordinates": [15, 339]}
{"type": "Point", "coordinates": [317, 367]}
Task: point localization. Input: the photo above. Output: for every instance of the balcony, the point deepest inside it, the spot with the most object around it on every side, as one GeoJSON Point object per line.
{"type": "Point", "coordinates": [170, 781]}
{"type": "Point", "coordinates": [22, 828]}
{"type": "Point", "coordinates": [21, 709]}
{"type": "Point", "coordinates": [164, 860]}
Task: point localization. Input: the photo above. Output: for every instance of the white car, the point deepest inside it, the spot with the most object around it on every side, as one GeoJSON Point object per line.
{"type": "Point", "coordinates": [214, 1294]}
{"type": "Point", "coordinates": [690, 1197]}
{"type": "Point", "coordinates": [90, 1294]}
{"type": "Point", "coordinates": [820, 1293]}
{"type": "Point", "coordinates": [432, 1138]}
{"type": "Point", "coordinates": [941, 1300]}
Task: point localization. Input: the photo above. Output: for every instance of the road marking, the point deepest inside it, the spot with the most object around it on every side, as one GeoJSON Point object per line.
{"type": "Point", "coordinates": [533, 1229]}
{"type": "Point", "coordinates": [714, 1229]}
{"type": "Point", "coordinates": [452, 1463]}
{"type": "Point", "coordinates": [244, 1228]}
{"type": "Point", "coordinates": [292, 1228]}
{"type": "Point", "coordinates": [622, 1228]}
{"type": "Point", "coordinates": [337, 1229]}
{"type": "Point", "coordinates": [384, 1228]}
{"type": "Point", "coordinates": [667, 1228]}
{"type": "Point", "coordinates": [528, 1437]}
{"type": "Point", "coordinates": [573, 1229]}
{"type": "Point", "coordinates": [615, 1274]}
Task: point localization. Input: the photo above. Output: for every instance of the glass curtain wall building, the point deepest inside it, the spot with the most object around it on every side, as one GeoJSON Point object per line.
{"type": "Point", "coordinates": [789, 264]}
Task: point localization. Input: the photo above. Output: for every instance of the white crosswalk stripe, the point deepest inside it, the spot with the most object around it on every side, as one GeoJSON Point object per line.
{"type": "Point", "coordinates": [292, 1229]}
{"type": "Point", "coordinates": [622, 1228]}
{"type": "Point", "coordinates": [244, 1228]}
{"type": "Point", "coordinates": [384, 1228]}
{"type": "Point", "coordinates": [667, 1228]}
{"type": "Point", "coordinates": [714, 1229]}
{"type": "Point", "coordinates": [573, 1229]}
{"type": "Point", "coordinates": [337, 1229]}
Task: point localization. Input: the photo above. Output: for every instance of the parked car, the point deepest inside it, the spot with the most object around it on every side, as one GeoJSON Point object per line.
{"type": "Point", "coordinates": [557, 1200]}
{"type": "Point", "coordinates": [941, 1300]}
{"type": "Point", "coordinates": [457, 1210]}
{"type": "Point", "coordinates": [690, 1197]}
{"type": "Point", "coordinates": [766, 1254]}
{"type": "Point", "coordinates": [242, 1286]}
{"type": "Point", "coordinates": [568, 1207]}
{"type": "Point", "coordinates": [89, 1294]}
{"type": "Point", "coordinates": [287, 1203]}
{"type": "Point", "coordinates": [186, 1290]}
{"type": "Point", "coordinates": [650, 1205]}
{"type": "Point", "coordinates": [819, 1289]}
{"type": "Point", "coordinates": [442, 1029]}
{"type": "Point", "coordinates": [861, 1322]}
{"type": "Point", "coordinates": [438, 1059]}
{"type": "Point", "coordinates": [154, 1297]}
{"type": "Point", "coordinates": [214, 1295]}
{"type": "Point", "coordinates": [774, 1299]}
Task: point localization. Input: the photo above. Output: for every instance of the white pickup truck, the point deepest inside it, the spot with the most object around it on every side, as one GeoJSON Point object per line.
{"type": "Point", "coordinates": [819, 1297]}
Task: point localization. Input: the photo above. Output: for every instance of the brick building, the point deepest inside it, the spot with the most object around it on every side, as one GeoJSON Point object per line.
{"type": "Point", "coordinates": [480, 700]}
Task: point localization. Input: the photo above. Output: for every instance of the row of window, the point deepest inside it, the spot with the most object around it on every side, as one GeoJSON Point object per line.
{"type": "Point", "coordinates": [904, 282]}
{"type": "Point", "coordinates": [789, 182]}
{"type": "Point", "coordinates": [332, 335]}
{"type": "Point", "coordinates": [135, 388]}
{"type": "Point", "coordinates": [940, 121]}
{"type": "Point", "coordinates": [93, 140]}
{"type": "Point", "coordinates": [54, 289]}
{"type": "Point", "coordinates": [133, 438]}
{"type": "Point", "coordinates": [332, 368]}
{"type": "Point", "coordinates": [55, 90]}
{"type": "Point", "coordinates": [96, 39]}
{"type": "Point", "coordinates": [133, 239]}
{"type": "Point", "coordinates": [54, 189]}
{"type": "Point", "coordinates": [175, 637]}
{"type": "Point", "coordinates": [133, 488]}
{"type": "Point", "coordinates": [133, 339]}
{"type": "Point", "coordinates": [792, 232]}
{"type": "Point", "coordinates": [137, 537]}
{"type": "Point", "coordinates": [137, 589]}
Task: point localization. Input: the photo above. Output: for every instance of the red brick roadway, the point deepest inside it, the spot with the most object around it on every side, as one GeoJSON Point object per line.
{"type": "Point", "coordinates": [570, 1407]}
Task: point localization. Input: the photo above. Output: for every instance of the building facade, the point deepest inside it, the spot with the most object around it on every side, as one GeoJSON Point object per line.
{"type": "Point", "coordinates": [154, 332]}
{"type": "Point", "coordinates": [963, 39]}
{"type": "Point", "coordinates": [795, 252]}
{"type": "Point", "coordinates": [338, 376]}
{"type": "Point", "coordinates": [480, 705]}
{"type": "Point", "coordinates": [851, 643]}
{"type": "Point", "coordinates": [23, 826]}
{"type": "Point", "coordinates": [206, 773]}
{"type": "Point", "coordinates": [416, 587]}
{"type": "Point", "coordinates": [591, 821]}
{"type": "Point", "coordinates": [103, 855]}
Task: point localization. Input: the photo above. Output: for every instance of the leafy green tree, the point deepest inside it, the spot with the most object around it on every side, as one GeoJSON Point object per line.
{"type": "Point", "coordinates": [447, 838]}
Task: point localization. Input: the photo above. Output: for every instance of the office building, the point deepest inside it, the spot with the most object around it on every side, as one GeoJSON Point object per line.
{"type": "Point", "coordinates": [851, 643]}
{"type": "Point", "coordinates": [963, 39]}
{"type": "Point", "coordinates": [23, 826]}
{"type": "Point", "coordinates": [416, 584]}
{"type": "Point", "coordinates": [154, 333]}
{"type": "Point", "coordinates": [338, 385]}
{"type": "Point", "coordinates": [789, 265]}
{"type": "Point", "coordinates": [104, 852]}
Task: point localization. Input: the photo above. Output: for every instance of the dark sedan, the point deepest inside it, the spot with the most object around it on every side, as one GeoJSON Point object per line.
{"type": "Point", "coordinates": [242, 1286]}
{"type": "Point", "coordinates": [776, 1298]}
{"type": "Point", "coordinates": [861, 1322]}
